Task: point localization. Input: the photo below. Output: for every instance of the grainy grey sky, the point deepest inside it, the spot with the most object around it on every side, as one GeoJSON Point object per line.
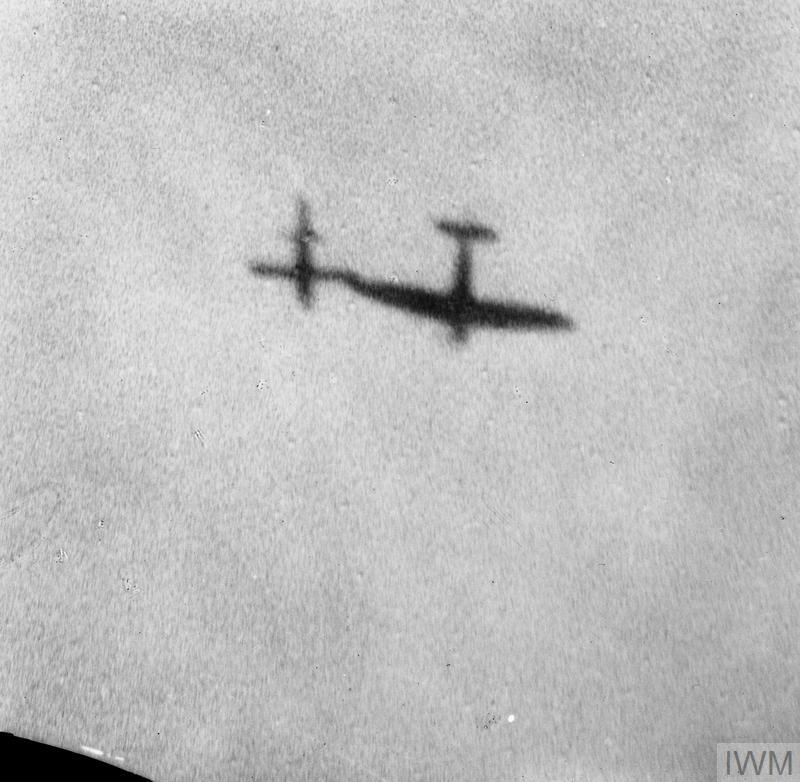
{"type": "Point", "coordinates": [238, 538]}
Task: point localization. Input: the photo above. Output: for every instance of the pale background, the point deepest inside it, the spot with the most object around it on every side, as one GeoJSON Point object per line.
{"type": "Point", "coordinates": [241, 541]}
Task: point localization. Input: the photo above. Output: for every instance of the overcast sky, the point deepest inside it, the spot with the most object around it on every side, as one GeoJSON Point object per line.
{"type": "Point", "coordinates": [241, 538]}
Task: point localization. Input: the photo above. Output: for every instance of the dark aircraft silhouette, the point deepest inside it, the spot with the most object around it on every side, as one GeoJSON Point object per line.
{"type": "Point", "coordinates": [457, 307]}
{"type": "Point", "coordinates": [303, 272]}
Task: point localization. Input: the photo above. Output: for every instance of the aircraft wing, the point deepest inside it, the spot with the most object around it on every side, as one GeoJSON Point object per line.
{"type": "Point", "coordinates": [262, 269]}
{"type": "Point", "coordinates": [287, 272]}
{"type": "Point", "coordinates": [501, 315]}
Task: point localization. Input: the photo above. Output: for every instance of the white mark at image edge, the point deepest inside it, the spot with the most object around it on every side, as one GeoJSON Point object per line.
{"type": "Point", "coordinates": [92, 751]}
